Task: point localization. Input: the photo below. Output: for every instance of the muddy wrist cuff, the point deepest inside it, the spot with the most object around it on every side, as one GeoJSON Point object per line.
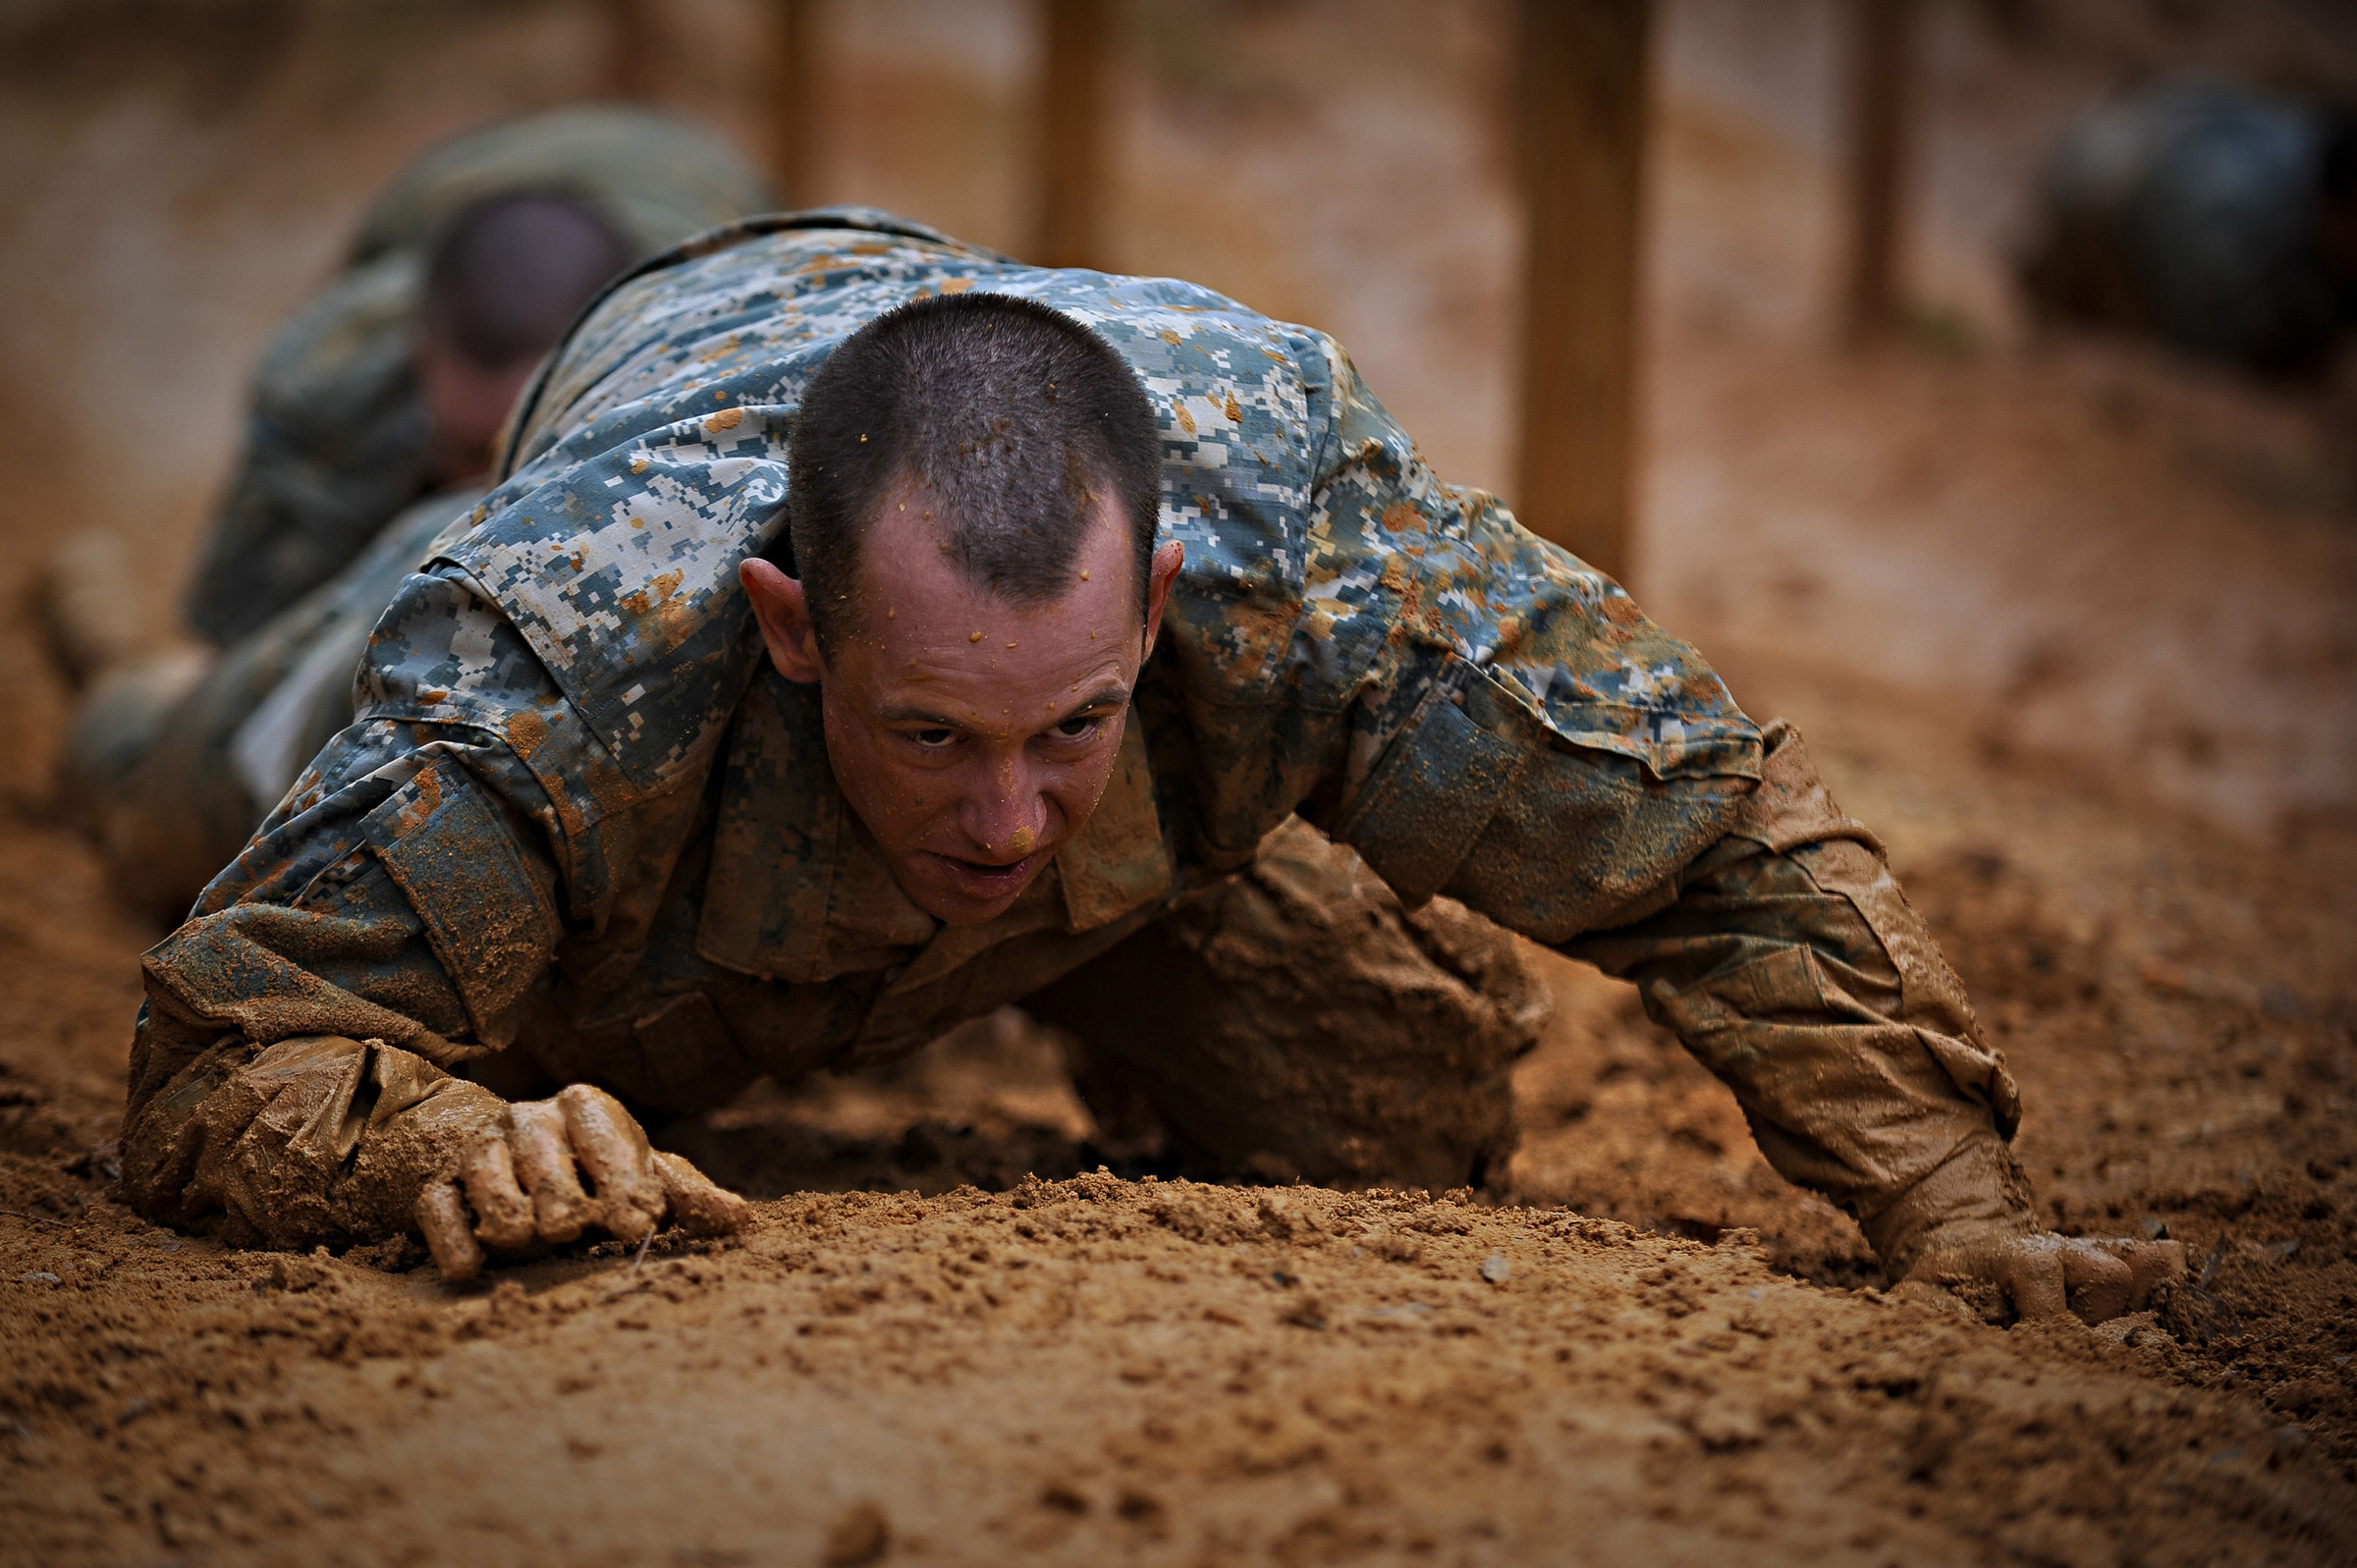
{"type": "Point", "coordinates": [1978, 1184]}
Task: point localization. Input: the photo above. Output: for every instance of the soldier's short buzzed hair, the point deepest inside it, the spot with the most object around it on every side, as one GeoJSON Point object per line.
{"type": "Point", "coordinates": [1015, 418]}
{"type": "Point", "coordinates": [506, 273]}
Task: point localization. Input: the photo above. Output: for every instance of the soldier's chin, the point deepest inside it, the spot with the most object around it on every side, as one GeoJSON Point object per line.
{"type": "Point", "coordinates": [966, 892]}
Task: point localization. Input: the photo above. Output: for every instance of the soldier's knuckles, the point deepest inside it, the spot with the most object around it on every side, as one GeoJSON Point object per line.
{"type": "Point", "coordinates": [696, 1203]}
{"type": "Point", "coordinates": [2032, 1277]}
{"type": "Point", "coordinates": [442, 1218]}
{"type": "Point", "coordinates": [504, 1216]}
{"type": "Point", "coordinates": [2100, 1283]}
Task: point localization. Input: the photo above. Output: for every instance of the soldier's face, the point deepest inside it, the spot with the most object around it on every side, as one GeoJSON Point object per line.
{"type": "Point", "coordinates": [972, 736]}
{"type": "Point", "coordinates": [467, 404]}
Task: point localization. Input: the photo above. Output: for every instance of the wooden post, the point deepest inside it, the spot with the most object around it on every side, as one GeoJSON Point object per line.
{"type": "Point", "coordinates": [1071, 127]}
{"type": "Point", "coordinates": [794, 100]}
{"type": "Point", "coordinates": [1584, 100]}
{"type": "Point", "coordinates": [630, 42]}
{"type": "Point", "coordinates": [1879, 83]}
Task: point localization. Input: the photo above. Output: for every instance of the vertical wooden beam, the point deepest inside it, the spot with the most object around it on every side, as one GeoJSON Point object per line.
{"type": "Point", "coordinates": [794, 100]}
{"type": "Point", "coordinates": [1071, 127]}
{"type": "Point", "coordinates": [1583, 104]}
{"type": "Point", "coordinates": [1881, 69]}
{"type": "Point", "coordinates": [631, 48]}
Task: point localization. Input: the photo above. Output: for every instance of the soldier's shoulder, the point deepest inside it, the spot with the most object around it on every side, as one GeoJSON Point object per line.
{"type": "Point", "coordinates": [338, 356]}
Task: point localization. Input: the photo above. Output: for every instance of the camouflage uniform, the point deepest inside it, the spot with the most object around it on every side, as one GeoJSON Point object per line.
{"type": "Point", "coordinates": [582, 830]}
{"type": "Point", "coordinates": [338, 439]}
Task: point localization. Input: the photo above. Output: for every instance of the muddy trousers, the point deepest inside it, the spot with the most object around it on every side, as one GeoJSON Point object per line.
{"type": "Point", "coordinates": [1296, 1021]}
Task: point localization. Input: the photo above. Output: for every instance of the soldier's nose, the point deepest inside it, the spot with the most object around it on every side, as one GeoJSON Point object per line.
{"type": "Point", "coordinates": [1007, 827]}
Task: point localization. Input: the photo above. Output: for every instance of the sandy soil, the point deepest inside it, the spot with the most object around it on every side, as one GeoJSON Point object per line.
{"type": "Point", "coordinates": [1095, 1368]}
{"type": "Point", "coordinates": [2066, 623]}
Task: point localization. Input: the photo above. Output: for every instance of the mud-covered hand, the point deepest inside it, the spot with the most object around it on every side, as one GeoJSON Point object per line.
{"type": "Point", "coordinates": [550, 1170]}
{"type": "Point", "coordinates": [2044, 1274]}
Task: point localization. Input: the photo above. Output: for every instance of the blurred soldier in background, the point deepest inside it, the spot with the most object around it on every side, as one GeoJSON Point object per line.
{"type": "Point", "coordinates": [2220, 220]}
{"type": "Point", "coordinates": [356, 411]}
{"type": "Point", "coordinates": [375, 412]}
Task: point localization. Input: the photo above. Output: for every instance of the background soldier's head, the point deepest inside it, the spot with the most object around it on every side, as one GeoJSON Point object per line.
{"type": "Point", "coordinates": [505, 276]}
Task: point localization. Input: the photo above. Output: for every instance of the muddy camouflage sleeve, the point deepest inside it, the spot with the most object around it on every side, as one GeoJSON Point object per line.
{"type": "Point", "coordinates": [1524, 740]}
{"type": "Point", "coordinates": [382, 926]}
{"type": "Point", "coordinates": [1790, 963]}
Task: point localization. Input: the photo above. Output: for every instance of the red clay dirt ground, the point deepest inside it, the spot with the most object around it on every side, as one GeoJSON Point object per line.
{"type": "Point", "coordinates": [2105, 604]}
{"type": "Point", "coordinates": [1654, 1350]}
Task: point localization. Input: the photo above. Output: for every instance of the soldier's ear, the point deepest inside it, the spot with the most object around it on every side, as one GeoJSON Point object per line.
{"type": "Point", "coordinates": [784, 616]}
{"type": "Point", "coordinates": [1168, 557]}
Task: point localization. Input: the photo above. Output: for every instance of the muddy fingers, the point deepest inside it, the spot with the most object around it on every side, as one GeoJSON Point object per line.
{"type": "Point", "coordinates": [449, 1233]}
{"type": "Point", "coordinates": [504, 1216]}
{"type": "Point", "coordinates": [2150, 1264]}
{"type": "Point", "coordinates": [2030, 1272]}
{"type": "Point", "coordinates": [2097, 1283]}
{"type": "Point", "coordinates": [698, 1206]}
{"type": "Point", "coordinates": [614, 1153]}
{"type": "Point", "coordinates": [555, 1168]}
{"type": "Point", "coordinates": [544, 1153]}
{"type": "Point", "coordinates": [2045, 1275]}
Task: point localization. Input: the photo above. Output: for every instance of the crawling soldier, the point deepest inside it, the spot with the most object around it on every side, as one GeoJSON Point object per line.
{"type": "Point", "coordinates": [872, 631]}
{"type": "Point", "coordinates": [373, 423]}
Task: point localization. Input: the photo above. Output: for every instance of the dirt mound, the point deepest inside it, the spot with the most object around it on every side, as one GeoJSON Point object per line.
{"type": "Point", "coordinates": [1080, 1368]}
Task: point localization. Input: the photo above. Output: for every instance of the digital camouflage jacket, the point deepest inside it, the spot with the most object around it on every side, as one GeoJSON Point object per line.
{"type": "Point", "coordinates": [582, 818]}
{"type": "Point", "coordinates": [337, 436]}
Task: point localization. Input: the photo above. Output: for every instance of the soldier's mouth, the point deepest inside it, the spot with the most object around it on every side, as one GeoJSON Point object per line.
{"type": "Point", "coordinates": [985, 879]}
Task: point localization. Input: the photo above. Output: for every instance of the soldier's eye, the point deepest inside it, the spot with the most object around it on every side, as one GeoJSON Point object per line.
{"type": "Point", "coordinates": [936, 737]}
{"type": "Point", "coordinates": [1075, 729]}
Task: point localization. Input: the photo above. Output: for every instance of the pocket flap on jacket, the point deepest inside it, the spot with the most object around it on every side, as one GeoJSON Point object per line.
{"type": "Point", "coordinates": [449, 847]}
{"type": "Point", "coordinates": [1432, 792]}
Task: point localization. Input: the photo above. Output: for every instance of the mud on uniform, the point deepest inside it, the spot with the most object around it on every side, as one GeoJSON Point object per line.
{"type": "Point", "coordinates": [583, 830]}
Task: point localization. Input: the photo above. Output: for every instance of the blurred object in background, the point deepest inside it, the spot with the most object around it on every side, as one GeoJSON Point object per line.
{"type": "Point", "coordinates": [2220, 220]}
{"type": "Point", "coordinates": [794, 87]}
{"type": "Point", "coordinates": [1585, 71]}
{"type": "Point", "coordinates": [341, 435]}
{"type": "Point", "coordinates": [630, 68]}
{"type": "Point", "coordinates": [1071, 131]}
{"type": "Point", "coordinates": [1880, 62]}
{"type": "Point", "coordinates": [505, 276]}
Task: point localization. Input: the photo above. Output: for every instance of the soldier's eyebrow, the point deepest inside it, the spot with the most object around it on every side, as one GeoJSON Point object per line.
{"type": "Point", "coordinates": [905, 715]}
{"type": "Point", "coordinates": [1110, 694]}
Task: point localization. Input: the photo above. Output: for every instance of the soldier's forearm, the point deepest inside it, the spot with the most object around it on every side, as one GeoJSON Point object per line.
{"type": "Point", "coordinates": [1979, 1185]}
{"type": "Point", "coordinates": [1793, 968]}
